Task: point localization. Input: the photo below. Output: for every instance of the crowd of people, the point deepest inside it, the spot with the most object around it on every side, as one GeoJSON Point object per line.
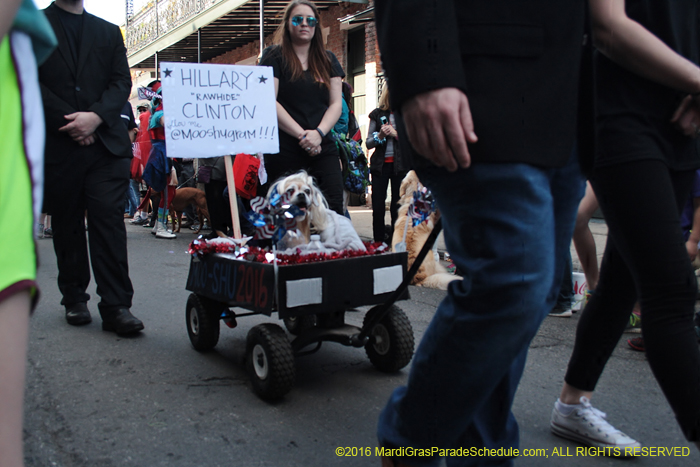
{"type": "Point", "coordinates": [522, 118]}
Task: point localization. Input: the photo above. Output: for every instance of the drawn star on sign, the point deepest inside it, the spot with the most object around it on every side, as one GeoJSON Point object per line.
{"type": "Point", "coordinates": [167, 73]}
{"type": "Point", "coordinates": [263, 79]}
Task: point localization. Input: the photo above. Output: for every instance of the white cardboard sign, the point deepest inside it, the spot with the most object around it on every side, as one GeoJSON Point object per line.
{"type": "Point", "coordinates": [214, 110]}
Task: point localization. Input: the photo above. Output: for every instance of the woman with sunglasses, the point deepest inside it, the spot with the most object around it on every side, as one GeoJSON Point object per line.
{"type": "Point", "coordinates": [308, 83]}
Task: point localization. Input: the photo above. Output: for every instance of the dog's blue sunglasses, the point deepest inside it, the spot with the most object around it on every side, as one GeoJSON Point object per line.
{"type": "Point", "coordinates": [310, 20]}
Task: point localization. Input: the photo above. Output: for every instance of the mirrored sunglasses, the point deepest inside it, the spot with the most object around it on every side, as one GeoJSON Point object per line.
{"type": "Point", "coordinates": [310, 20]}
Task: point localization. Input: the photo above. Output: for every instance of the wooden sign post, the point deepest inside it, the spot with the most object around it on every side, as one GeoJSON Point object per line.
{"type": "Point", "coordinates": [232, 198]}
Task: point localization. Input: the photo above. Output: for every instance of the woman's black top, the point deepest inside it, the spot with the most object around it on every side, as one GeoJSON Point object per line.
{"type": "Point", "coordinates": [305, 100]}
{"type": "Point", "coordinates": [634, 113]}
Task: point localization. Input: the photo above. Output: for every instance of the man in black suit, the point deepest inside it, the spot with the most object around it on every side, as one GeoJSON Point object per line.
{"type": "Point", "coordinates": [487, 97]}
{"type": "Point", "coordinates": [84, 85]}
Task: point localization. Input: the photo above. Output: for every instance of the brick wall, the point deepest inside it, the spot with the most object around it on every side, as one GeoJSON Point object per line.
{"type": "Point", "coordinates": [241, 53]}
{"type": "Point", "coordinates": [371, 45]}
{"type": "Point", "coordinates": [336, 41]}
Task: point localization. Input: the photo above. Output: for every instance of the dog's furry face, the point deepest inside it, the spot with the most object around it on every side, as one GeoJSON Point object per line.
{"type": "Point", "coordinates": [303, 192]}
{"type": "Point", "coordinates": [299, 189]}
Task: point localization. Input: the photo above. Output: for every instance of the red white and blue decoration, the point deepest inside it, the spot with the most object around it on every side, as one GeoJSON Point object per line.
{"type": "Point", "coordinates": [201, 247]}
{"type": "Point", "coordinates": [272, 219]}
{"type": "Point", "coordinates": [422, 207]}
{"type": "Point", "coordinates": [148, 94]}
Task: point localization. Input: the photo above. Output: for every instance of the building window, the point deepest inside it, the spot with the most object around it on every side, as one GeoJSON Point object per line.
{"type": "Point", "coordinates": [356, 69]}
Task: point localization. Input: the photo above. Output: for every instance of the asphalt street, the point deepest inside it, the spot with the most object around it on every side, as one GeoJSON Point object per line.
{"type": "Point", "coordinates": [96, 399]}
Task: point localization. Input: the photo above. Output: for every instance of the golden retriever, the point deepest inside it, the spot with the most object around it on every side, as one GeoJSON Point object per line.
{"type": "Point", "coordinates": [431, 273]}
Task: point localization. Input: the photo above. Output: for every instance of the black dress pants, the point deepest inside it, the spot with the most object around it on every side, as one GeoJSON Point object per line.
{"type": "Point", "coordinates": [94, 180]}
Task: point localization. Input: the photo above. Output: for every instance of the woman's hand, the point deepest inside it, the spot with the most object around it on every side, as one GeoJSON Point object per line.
{"type": "Point", "coordinates": [387, 131]}
{"type": "Point", "coordinates": [311, 140]}
{"type": "Point", "coordinates": [687, 117]}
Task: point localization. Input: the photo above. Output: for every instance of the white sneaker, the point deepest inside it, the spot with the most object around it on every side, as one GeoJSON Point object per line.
{"type": "Point", "coordinates": [586, 425]}
{"type": "Point", "coordinates": [162, 232]}
{"type": "Point", "coordinates": [561, 312]}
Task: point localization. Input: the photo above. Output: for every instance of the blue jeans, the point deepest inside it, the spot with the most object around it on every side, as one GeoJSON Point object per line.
{"type": "Point", "coordinates": [132, 197]}
{"type": "Point", "coordinates": [505, 227]}
{"type": "Point", "coordinates": [566, 290]}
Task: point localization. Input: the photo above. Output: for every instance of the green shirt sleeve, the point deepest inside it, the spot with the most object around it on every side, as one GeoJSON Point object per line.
{"type": "Point", "coordinates": [32, 21]}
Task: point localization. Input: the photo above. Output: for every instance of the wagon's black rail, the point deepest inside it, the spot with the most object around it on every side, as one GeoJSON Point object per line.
{"type": "Point", "coordinates": [360, 340]}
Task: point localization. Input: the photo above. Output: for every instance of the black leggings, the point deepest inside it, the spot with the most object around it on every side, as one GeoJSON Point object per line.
{"type": "Point", "coordinates": [645, 257]}
{"type": "Point", "coordinates": [380, 183]}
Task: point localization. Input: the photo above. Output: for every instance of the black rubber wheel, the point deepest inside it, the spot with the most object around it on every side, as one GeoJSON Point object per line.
{"type": "Point", "coordinates": [202, 322]}
{"type": "Point", "coordinates": [390, 346]}
{"type": "Point", "coordinates": [270, 361]}
{"type": "Point", "coordinates": [298, 324]}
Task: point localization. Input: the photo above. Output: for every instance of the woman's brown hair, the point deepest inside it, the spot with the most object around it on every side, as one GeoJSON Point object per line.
{"type": "Point", "coordinates": [319, 63]}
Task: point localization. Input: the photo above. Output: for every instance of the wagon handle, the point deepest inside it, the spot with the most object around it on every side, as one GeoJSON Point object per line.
{"type": "Point", "coordinates": [359, 340]}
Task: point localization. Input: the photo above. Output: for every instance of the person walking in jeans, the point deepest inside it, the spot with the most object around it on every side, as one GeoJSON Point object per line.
{"type": "Point", "coordinates": [486, 94]}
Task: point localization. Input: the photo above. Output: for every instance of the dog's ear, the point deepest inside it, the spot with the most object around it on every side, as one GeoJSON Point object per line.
{"type": "Point", "coordinates": [273, 187]}
{"type": "Point", "coordinates": [405, 184]}
{"type": "Point", "coordinates": [319, 207]}
{"type": "Point", "coordinates": [319, 199]}
{"type": "Point", "coordinates": [316, 196]}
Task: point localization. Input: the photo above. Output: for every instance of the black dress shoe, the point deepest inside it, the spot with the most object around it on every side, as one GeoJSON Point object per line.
{"type": "Point", "coordinates": [121, 322]}
{"type": "Point", "coordinates": [78, 314]}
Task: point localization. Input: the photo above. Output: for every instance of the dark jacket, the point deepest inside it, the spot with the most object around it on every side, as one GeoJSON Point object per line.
{"type": "Point", "coordinates": [218, 167]}
{"type": "Point", "coordinates": [402, 164]}
{"type": "Point", "coordinates": [517, 61]}
{"type": "Point", "coordinates": [100, 82]}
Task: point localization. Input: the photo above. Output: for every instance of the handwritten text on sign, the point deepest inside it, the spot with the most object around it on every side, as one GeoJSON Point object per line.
{"type": "Point", "coordinates": [215, 110]}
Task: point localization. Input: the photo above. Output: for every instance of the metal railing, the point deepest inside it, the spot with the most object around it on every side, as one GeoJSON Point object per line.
{"type": "Point", "coordinates": [157, 18]}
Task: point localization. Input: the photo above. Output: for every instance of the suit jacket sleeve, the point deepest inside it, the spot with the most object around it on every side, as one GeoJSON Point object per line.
{"type": "Point", "coordinates": [419, 39]}
{"type": "Point", "coordinates": [54, 109]}
{"type": "Point", "coordinates": [109, 106]}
